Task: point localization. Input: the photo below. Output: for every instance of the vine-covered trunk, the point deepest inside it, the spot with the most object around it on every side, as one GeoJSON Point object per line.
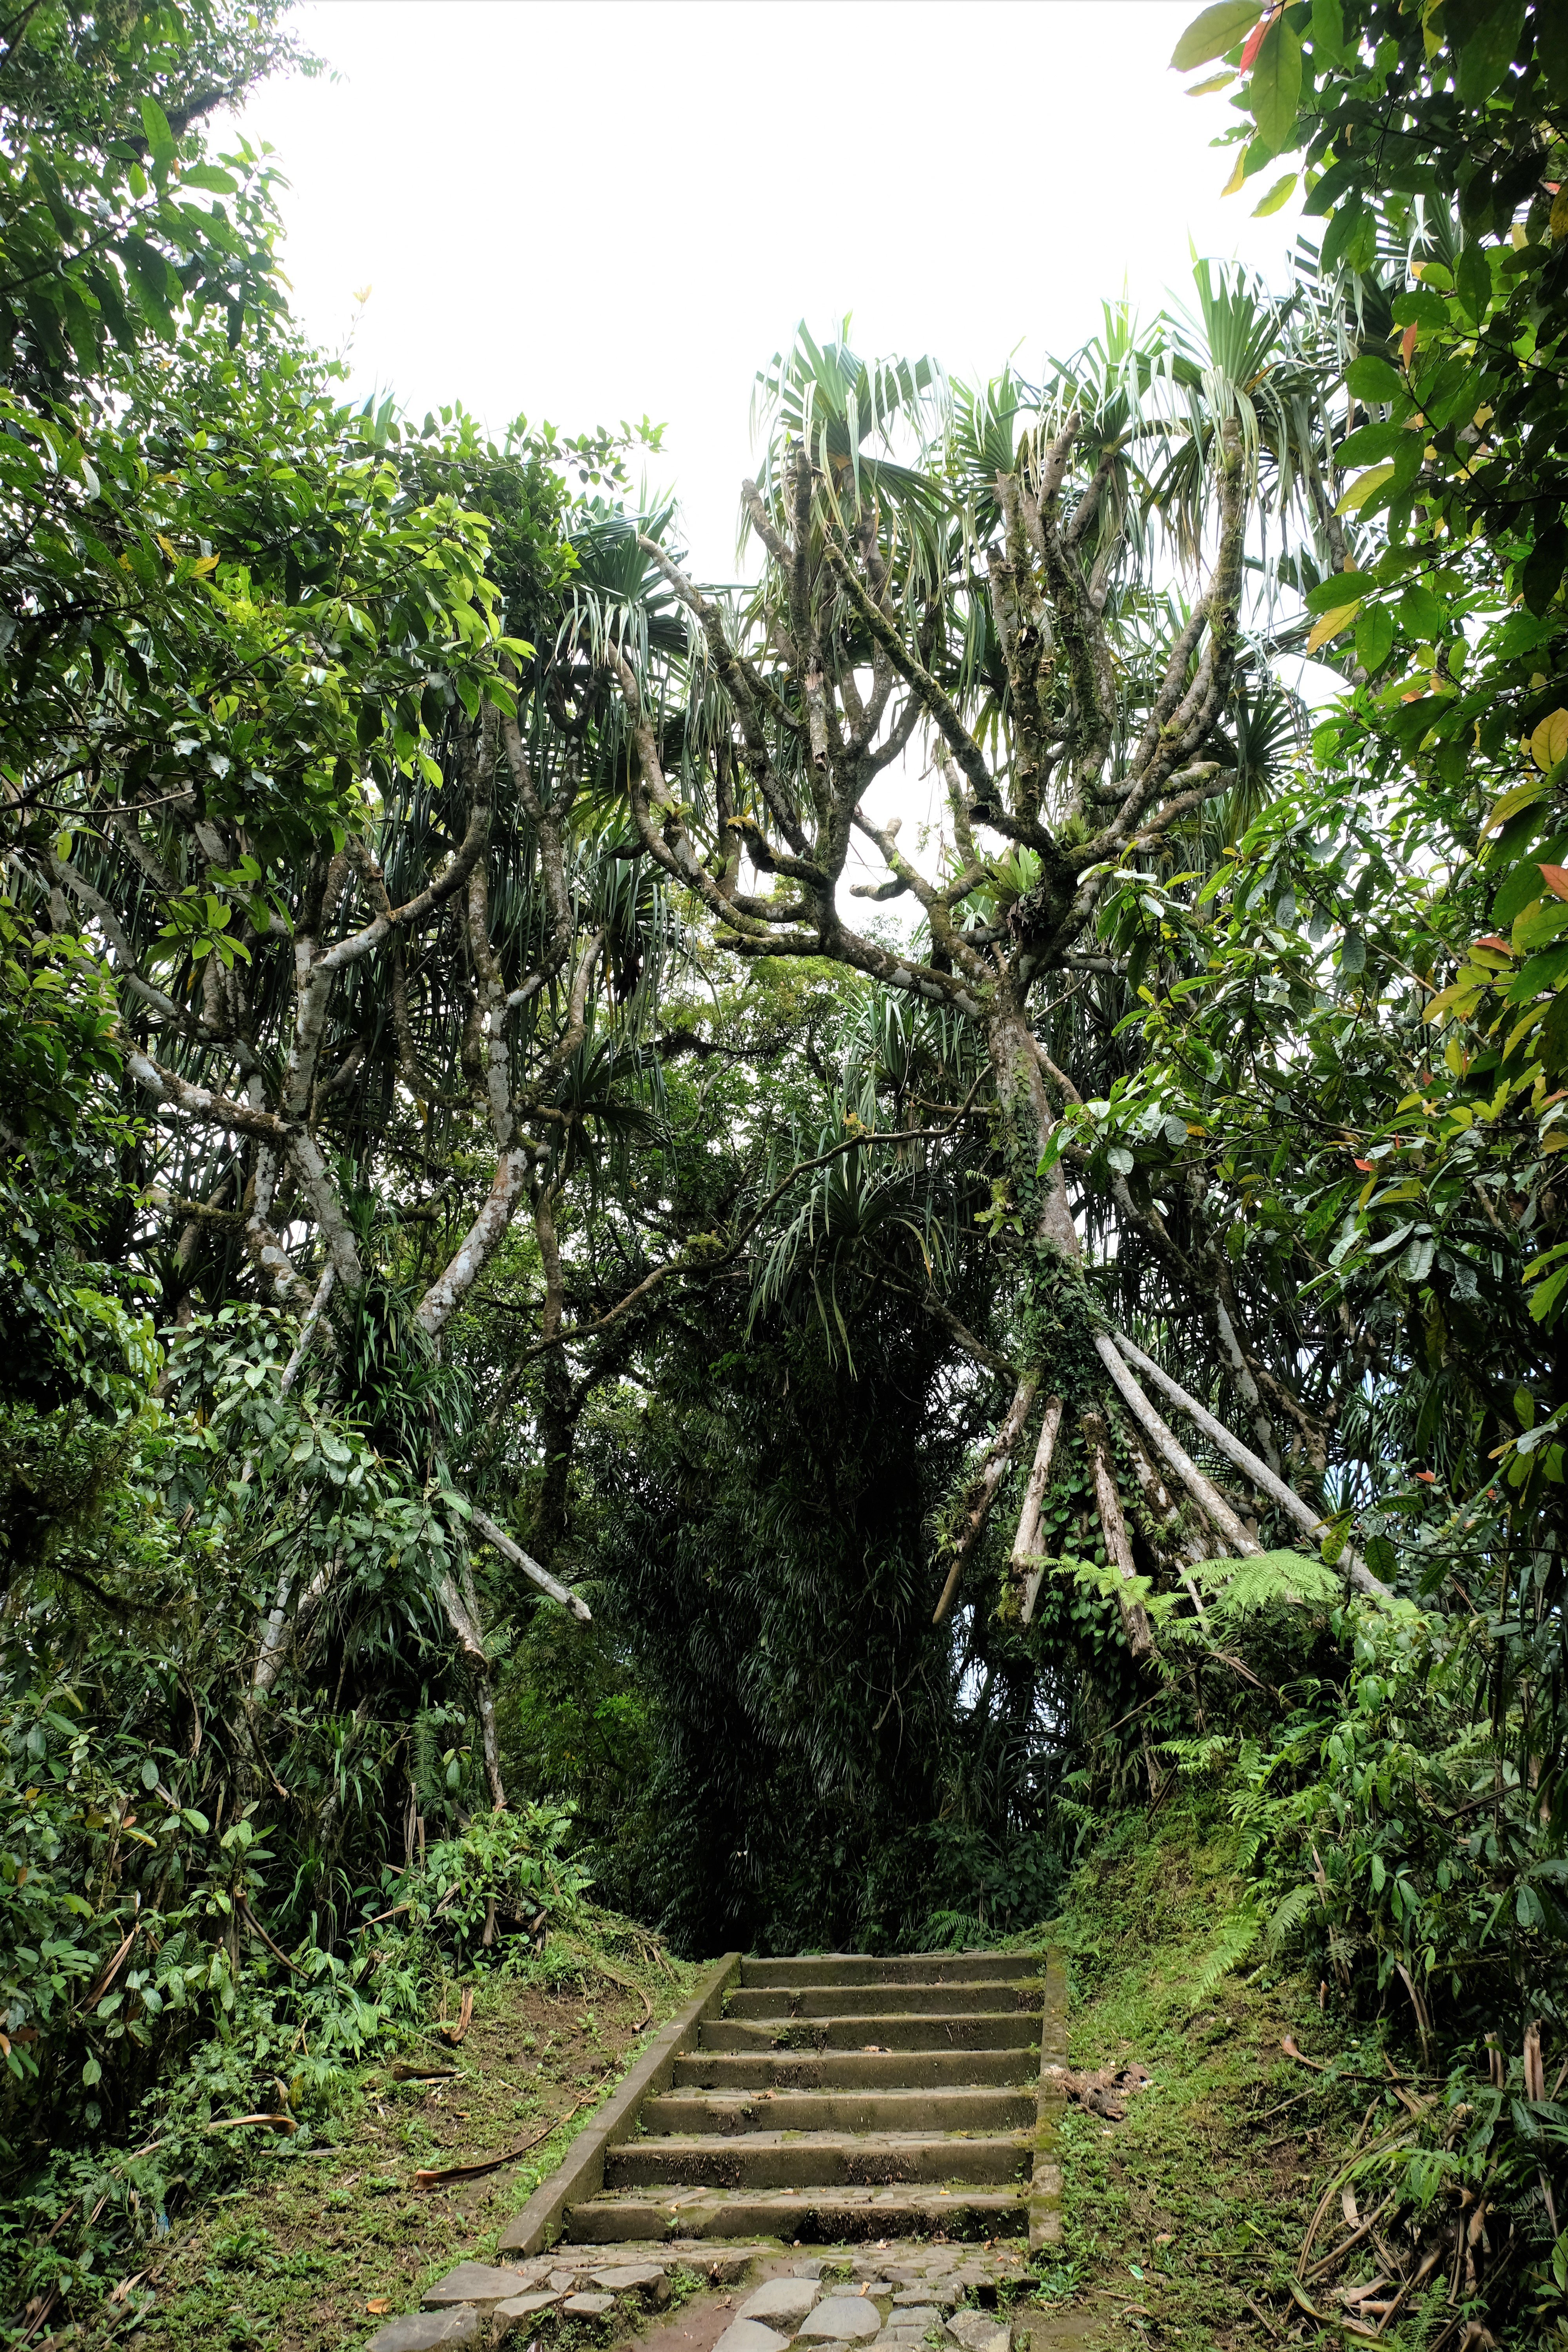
{"type": "Point", "coordinates": [1057, 1343]}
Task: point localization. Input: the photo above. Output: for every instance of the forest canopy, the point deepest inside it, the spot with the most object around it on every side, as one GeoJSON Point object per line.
{"type": "Point", "coordinates": [550, 1335]}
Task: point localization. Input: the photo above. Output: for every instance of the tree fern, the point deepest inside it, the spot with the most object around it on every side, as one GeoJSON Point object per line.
{"type": "Point", "coordinates": [1245, 1586]}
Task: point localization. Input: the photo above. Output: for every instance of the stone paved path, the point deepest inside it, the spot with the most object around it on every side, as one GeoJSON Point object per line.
{"type": "Point", "coordinates": [896, 2297]}
{"type": "Point", "coordinates": [841, 2098]}
{"type": "Point", "coordinates": [884, 2113]}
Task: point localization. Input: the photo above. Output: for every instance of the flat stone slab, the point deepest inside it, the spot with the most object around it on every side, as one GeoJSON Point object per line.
{"type": "Point", "coordinates": [421, 2331]}
{"type": "Point", "coordinates": [589, 2306]}
{"type": "Point", "coordinates": [914, 2298]}
{"type": "Point", "coordinates": [474, 2283]}
{"type": "Point", "coordinates": [728, 2270]}
{"type": "Point", "coordinates": [980, 2331]}
{"type": "Point", "coordinates": [913, 2311]}
{"type": "Point", "coordinates": [751, 2335]}
{"type": "Point", "coordinates": [519, 2308]}
{"type": "Point", "coordinates": [635, 2278]}
{"type": "Point", "coordinates": [850, 2318]}
{"type": "Point", "coordinates": [787, 2300]}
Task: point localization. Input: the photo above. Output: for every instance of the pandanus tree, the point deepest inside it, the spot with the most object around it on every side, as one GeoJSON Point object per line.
{"type": "Point", "coordinates": [283, 766]}
{"type": "Point", "coordinates": [989, 600]}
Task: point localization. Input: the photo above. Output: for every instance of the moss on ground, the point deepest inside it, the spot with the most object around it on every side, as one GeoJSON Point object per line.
{"type": "Point", "coordinates": [1182, 2222]}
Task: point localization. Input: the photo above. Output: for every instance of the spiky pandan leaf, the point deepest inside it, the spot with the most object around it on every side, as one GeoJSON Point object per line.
{"type": "Point", "coordinates": [1251, 1584]}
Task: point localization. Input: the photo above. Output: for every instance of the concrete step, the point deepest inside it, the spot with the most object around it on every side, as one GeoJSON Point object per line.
{"type": "Point", "coordinates": [826, 2216]}
{"type": "Point", "coordinates": [816, 2160]}
{"type": "Point", "coordinates": [998, 2030]}
{"type": "Point", "coordinates": [908, 1968]}
{"type": "Point", "coordinates": [686, 2112]}
{"type": "Point", "coordinates": [869, 2000]}
{"type": "Point", "coordinates": [861, 2070]}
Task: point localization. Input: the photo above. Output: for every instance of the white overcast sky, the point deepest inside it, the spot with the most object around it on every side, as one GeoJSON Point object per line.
{"type": "Point", "coordinates": [593, 211]}
{"type": "Point", "coordinates": [587, 211]}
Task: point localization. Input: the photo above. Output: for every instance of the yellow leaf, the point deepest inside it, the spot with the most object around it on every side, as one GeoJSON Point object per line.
{"type": "Point", "coordinates": [1550, 740]}
{"type": "Point", "coordinates": [1361, 488]}
{"type": "Point", "coordinates": [204, 563]}
{"type": "Point", "coordinates": [1331, 623]}
{"type": "Point", "coordinates": [1279, 193]}
{"type": "Point", "coordinates": [1233, 185]}
{"type": "Point", "coordinates": [1215, 81]}
{"type": "Point", "coordinates": [1458, 1000]}
{"type": "Point", "coordinates": [1536, 1014]}
{"type": "Point", "coordinates": [167, 546]}
{"type": "Point", "coordinates": [1513, 802]}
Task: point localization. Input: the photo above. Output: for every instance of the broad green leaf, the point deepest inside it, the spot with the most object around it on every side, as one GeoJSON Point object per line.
{"type": "Point", "coordinates": [1473, 282]}
{"type": "Point", "coordinates": [1328, 33]}
{"type": "Point", "coordinates": [1421, 614]}
{"type": "Point", "coordinates": [1275, 90]}
{"type": "Point", "coordinates": [1351, 236]}
{"type": "Point", "coordinates": [1279, 193]}
{"type": "Point", "coordinates": [1549, 741]}
{"type": "Point", "coordinates": [1360, 490]}
{"type": "Point", "coordinates": [1331, 623]}
{"type": "Point", "coordinates": [1371, 378]}
{"type": "Point", "coordinates": [1369, 444]}
{"type": "Point", "coordinates": [1374, 638]}
{"type": "Point", "coordinates": [1487, 46]}
{"type": "Point", "coordinates": [1520, 797]}
{"type": "Point", "coordinates": [160, 138]}
{"type": "Point", "coordinates": [1217, 29]}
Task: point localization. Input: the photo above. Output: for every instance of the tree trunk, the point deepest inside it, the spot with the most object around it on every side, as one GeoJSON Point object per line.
{"type": "Point", "coordinates": [557, 1422]}
{"type": "Point", "coordinates": [993, 1470]}
{"type": "Point", "coordinates": [1027, 1539]}
{"type": "Point", "coordinates": [1118, 1545]}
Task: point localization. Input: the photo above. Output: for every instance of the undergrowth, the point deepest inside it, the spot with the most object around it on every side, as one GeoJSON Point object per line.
{"type": "Point", "coordinates": [1271, 2102]}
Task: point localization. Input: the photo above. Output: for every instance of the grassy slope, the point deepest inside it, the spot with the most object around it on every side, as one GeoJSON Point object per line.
{"type": "Point", "coordinates": [319, 2231]}
{"type": "Point", "coordinates": [1182, 2222]}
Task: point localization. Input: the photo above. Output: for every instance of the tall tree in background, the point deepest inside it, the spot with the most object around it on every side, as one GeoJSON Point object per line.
{"type": "Point", "coordinates": [988, 601]}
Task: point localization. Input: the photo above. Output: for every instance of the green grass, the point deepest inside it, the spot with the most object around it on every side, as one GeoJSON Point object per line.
{"type": "Point", "coordinates": [1182, 2222]}
{"type": "Point", "coordinates": [330, 2223]}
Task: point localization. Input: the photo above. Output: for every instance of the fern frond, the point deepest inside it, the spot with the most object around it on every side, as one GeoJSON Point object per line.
{"type": "Point", "coordinates": [1245, 1586]}
{"type": "Point", "coordinates": [1288, 1916]}
{"type": "Point", "coordinates": [1237, 1937]}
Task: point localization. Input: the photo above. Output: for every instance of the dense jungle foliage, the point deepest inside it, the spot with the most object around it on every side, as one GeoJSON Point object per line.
{"type": "Point", "coordinates": [540, 1350]}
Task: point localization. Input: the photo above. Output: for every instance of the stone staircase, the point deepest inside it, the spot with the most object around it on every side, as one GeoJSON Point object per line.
{"type": "Point", "coordinates": [840, 2099]}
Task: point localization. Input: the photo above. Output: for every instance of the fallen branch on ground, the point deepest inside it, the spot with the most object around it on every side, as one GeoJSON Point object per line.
{"type": "Point", "coordinates": [428, 2175]}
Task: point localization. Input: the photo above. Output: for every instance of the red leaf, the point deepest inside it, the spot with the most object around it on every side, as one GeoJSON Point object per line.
{"type": "Point", "coordinates": [1255, 39]}
{"type": "Point", "coordinates": [1427, 1478]}
{"type": "Point", "coordinates": [1407, 343]}
{"type": "Point", "coordinates": [1364, 1165]}
{"type": "Point", "coordinates": [1493, 940]}
{"type": "Point", "coordinates": [1556, 880]}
